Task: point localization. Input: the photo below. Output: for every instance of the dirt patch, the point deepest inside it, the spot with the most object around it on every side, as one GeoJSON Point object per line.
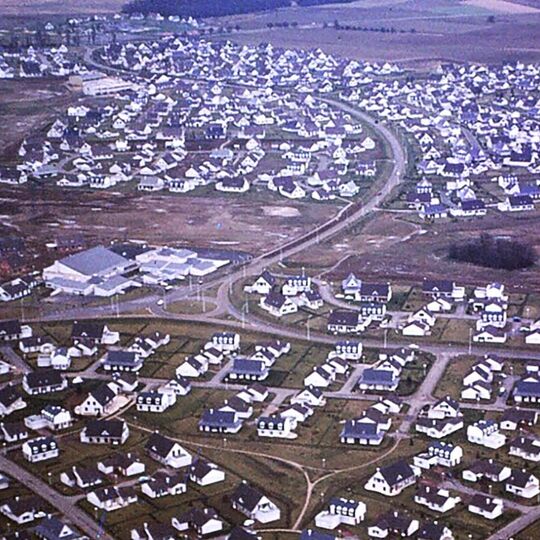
{"type": "Point", "coordinates": [424, 255]}
{"type": "Point", "coordinates": [28, 106]}
{"type": "Point", "coordinates": [280, 211]}
{"type": "Point", "coordinates": [41, 213]}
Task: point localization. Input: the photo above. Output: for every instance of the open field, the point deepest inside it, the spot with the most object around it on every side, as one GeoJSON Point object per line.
{"type": "Point", "coordinates": [58, 7]}
{"type": "Point", "coordinates": [503, 6]}
{"type": "Point", "coordinates": [514, 33]}
{"type": "Point", "coordinates": [253, 222]}
{"type": "Point", "coordinates": [26, 106]}
{"type": "Point", "coordinates": [399, 247]}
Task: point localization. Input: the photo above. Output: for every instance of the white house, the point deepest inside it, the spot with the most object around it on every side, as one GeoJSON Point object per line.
{"type": "Point", "coordinates": [487, 507]}
{"type": "Point", "coordinates": [253, 504]}
{"type": "Point", "coordinates": [392, 479]}
{"type": "Point", "coordinates": [486, 433]}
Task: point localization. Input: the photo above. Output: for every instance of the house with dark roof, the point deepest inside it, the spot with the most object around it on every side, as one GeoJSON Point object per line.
{"type": "Point", "coordinates": [485, 506]}
{"type": "Point", "coordinates": [99, 402]}
{"type": "Point", "coordinates": [162, 484]}
{"type": "Point", "coordinates": [23, 509]}
{"type": "Point", "coordinates": [373, 380]}
{"type": "Point", "coordinates": [203, 522]}
{"type": "Point", "coordinates": [527, 390]}
{"type": "Point", "coordinates": [278, 304]}
{"type": "Point", "coordinates": [204, 473]}
{"type": "Point", "coordinates": [394, 523]}
{"type": "Point", "coordinates": [436, 499]}
{"type": "Point", "coordinates": [216, 421]}
{"type": "Point", "coordinates": [82, 477]}
{"type": "Point", "coordinates": [167, 452]}
{"type": "Point", "coordinates": [112, 498]}
{"type": "Point", "coordinates": [346, 322]}
{"type": "Point", "coordinates": [44, 382]}
{"type": "Point", "coordinates": [356, 432]}
{"type": "Point", "coordinates": [249, 501]}
{"type": "Point", "coordinates": [245, 369]}
{"type": "Point", "coordinates": [525, 447]}
{"type": "Point", "coordinates": [119, 360]}
{"type": "Point", "coordinates": [52, 528]}
{"type": "Point", "coordinates": [112, 432]}
{"type": "Point", "coordinates": [95, 332]}
{"type": "Point", "coordinates": [523, 484]}
{"type": "Point", "coordinates": [40, 449]}
{"type": "Point", "coordinates": [13, 330]}
{"type": "Point", "coordinates": [392, 479]}
{"type": "Point", "coordinates": [486, 468]}
{"type": "Point", "coordinates": [155, 401]}
{"type": "Point", "coordinates": [10, 400]}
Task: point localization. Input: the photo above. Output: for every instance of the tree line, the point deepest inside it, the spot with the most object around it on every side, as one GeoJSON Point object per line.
{"type": "Point", "coordinates": [493, 252]}
{"type": "Point", "coordinates": [210, 8]}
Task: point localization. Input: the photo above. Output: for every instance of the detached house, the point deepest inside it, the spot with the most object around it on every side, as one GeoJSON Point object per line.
{"type": "Point", "coordinates": [523, 484]}
{"type": "Point", "coordinates": [10, 400]}
{"type": "Point", "coordinates": [345, 322]}
{"type": "Point", "coordinates": [204, 522]}
{"type": "Point", "coordinates": [278, 304]}
{"type": "Point", "coordinates": [167, 452]}
{"type": "Point", "coordinates": [217, 421]}
{"type": "Point", "coordinates": [276, 426]}
{"type": "Point", "coordinates": [253, 504]}
{"type": "Point", "coordinates": [44, 382]}
{"type": "Point", "coordinates": [486, 433]}
{"type": "Point", "coordinates": [156, 402]}
{"type": "Point", "coordinates": [358, 432]}
{"type": "Point", "coordinates": [341, 511]}
{"type": "Point", "coordinates": [122, 361]}
{"type": "Point", "coordinates": [245, 369]}
{"type": "Point", "coordinates": [112, 498]}
{"type": "Point", "coordinates": [99, 402]}
{"type": "Point", "coordinates": [163, 484]}
{"type": "Point", "coordinates": [392, 479]}
{"type": "Point", "coordinates": [525, 447]}
{"type": "Point", "coordinates": [436, 499]}
{"type": "Point", "coordinates": [105, 432]}
{"type": "Point", "coordinates": [262, 285]}
{"type": "Point", "coordinates": [439, 454]}
{"type": "Point", "coordinates": [204, 473]}
{"type": "Point", "coordinates": [23, 510]}
{"type": "Point", "coordinates": [487, 507]}
{"type": "Point", "coordinates": [40, 449]}
{"type": "Point", "coordinates": [394, 523]}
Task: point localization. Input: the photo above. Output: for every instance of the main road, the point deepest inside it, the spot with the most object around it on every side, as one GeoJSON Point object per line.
{"type": "Point", "coordinates": [345, 218]}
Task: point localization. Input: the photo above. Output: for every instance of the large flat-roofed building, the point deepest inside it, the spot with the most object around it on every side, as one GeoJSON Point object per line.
{"type": "Point", "coordinates": [98, 271]}
{"type": "Point", "coordinates": [97, 84]}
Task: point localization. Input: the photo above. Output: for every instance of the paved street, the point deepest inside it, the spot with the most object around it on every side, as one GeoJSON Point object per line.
{"type": "Point", "coordinates": [15, 359]}
{"type": "Point", "coordinates": [65, 505]}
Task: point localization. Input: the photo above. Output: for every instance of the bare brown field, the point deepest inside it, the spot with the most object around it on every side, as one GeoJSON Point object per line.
{"type": "Point", "coordinates": [26, 106]}
{"type": "Point", "coordinates": [235, 222]}
{"type": "Point", "coordinates": [425, 254]}
{"type": "Point", "coordinates": [59, 7]}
